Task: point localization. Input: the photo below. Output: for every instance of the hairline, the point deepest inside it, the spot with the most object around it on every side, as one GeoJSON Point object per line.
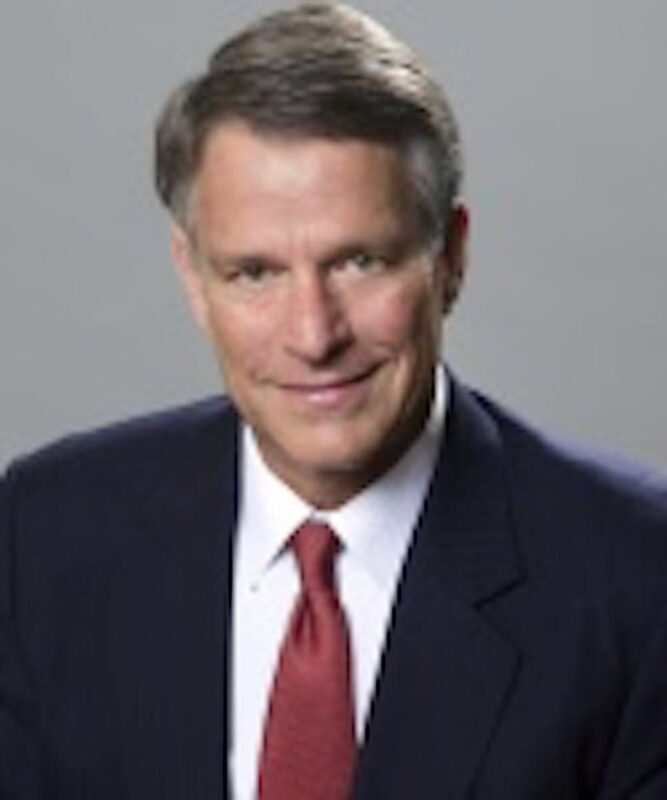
{"type": "Point", "coordinates": [413, 153]}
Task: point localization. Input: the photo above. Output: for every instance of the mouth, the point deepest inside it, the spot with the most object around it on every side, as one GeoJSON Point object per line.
{"type": "Point", "coordinates": [333, 392]}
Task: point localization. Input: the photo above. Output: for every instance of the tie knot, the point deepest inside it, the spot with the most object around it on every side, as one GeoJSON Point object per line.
{"type": "Point", "coordinates": [315, 546]}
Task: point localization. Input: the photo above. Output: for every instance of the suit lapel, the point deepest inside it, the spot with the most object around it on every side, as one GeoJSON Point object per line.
{"type": "Point", "coordinates": [173, 603]}
{"type": "Point", "coordinates": [446, 672]}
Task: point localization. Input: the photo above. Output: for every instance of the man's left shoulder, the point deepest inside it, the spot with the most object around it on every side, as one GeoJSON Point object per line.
{"type": "Point", "coordinates": [582, 504]}
{"type": "Point", "coordinates": [590, 533]}
{"type": "Point", "coordinates": [562, 467]}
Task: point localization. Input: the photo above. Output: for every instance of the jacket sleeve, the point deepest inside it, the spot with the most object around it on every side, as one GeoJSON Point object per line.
{"type": "Point", "coordinates": [20, 759]}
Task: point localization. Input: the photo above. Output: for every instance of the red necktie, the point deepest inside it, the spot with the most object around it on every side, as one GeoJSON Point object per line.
{"type": "Point", "coordinates": [309, 743]}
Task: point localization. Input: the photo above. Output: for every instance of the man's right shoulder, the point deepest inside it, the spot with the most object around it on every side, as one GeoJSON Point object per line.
{"type": "Point", "coordinates": [70, 505]}
{"type": "Point", "coordinates": [134, 445]}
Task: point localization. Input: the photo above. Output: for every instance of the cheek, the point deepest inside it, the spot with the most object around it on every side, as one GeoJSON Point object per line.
{"type": "Point", "coordinates": [240, 340]}
{"type": "Point", "coordinates": [396, 318]}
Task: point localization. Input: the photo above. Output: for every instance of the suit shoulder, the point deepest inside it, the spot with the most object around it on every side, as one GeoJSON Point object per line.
{"type": "Point", "coordinates": [95, 492]}
{"type": "Point", "coordinates": [588, 528]}
{"type": "Point", "coordinates": [564, 467]}
{"type": "Point", "coordinates": [582, 512]}
{"type": "Point", "coordinates": [133, 444]}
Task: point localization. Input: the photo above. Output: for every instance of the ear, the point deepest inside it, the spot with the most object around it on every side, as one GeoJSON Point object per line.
{"type": "Point", "coordinates": [190, 276]}
{"type": "Point", "coordinates": [454, 254]}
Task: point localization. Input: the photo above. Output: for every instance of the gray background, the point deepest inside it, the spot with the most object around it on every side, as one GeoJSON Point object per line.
{"type": "Point", "coordinates": [562, 105]}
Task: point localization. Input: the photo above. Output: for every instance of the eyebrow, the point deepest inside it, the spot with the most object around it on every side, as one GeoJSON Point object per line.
{"type": "Point", "coordinates": [391, 247]}
{"type": "Point", "coordinates": [221, 261]}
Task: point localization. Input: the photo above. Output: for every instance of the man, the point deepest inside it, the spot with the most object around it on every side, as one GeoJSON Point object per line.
{"type": "Point", "coordinates": [360, 579]}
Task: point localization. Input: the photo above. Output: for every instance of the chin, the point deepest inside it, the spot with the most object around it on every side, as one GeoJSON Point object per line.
{"type": "Point", "coordinates": [336, 455]}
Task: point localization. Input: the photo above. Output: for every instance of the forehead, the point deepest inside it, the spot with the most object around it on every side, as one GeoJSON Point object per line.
{"type": "Point", "coordinates": [245, 173]}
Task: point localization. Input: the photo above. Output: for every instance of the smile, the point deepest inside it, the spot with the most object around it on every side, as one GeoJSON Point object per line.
{"type": "Point", "coordinates": [331, 394]}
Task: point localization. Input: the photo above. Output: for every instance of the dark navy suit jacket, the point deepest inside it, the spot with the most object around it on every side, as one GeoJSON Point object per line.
{"type": "Point", "coordinates": [526, 658]}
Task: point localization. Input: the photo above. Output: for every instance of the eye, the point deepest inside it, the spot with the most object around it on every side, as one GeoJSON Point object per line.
{"type": "Point", "coordinates": [363, 261]}
{"type": "Point", "coordinates": [252, 270]}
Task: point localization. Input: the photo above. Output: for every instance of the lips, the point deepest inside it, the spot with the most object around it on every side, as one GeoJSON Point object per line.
{"type": "Point", "coordinates": [331, 393]}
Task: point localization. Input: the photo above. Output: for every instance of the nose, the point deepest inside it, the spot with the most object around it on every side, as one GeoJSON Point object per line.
{"type": "Point", "coordinates": [318, 328]}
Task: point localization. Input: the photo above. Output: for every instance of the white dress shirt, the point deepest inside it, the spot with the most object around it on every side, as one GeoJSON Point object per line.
{"type": "Point", "coordinates": [375, 529]}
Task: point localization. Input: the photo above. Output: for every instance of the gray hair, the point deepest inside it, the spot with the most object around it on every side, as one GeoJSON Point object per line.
{"type": "Point", "coordinates": [324, 70]}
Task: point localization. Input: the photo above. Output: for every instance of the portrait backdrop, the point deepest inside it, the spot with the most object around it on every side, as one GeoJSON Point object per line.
{"type": "Point", "coordinates": [562, 110]}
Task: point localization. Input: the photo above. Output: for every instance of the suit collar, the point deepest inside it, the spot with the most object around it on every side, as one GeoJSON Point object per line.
{"type": "Point", "coordinates": [474, 555]}
{"type": "Point", "coordinates": [446, 671]}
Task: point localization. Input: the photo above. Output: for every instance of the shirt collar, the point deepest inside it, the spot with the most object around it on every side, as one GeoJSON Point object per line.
{"type": "Point", "coordinates": [375, 526]}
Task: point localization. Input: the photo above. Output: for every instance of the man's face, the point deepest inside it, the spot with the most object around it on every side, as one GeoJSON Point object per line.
{"type": "Point", "coordinates": [324, 308]}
